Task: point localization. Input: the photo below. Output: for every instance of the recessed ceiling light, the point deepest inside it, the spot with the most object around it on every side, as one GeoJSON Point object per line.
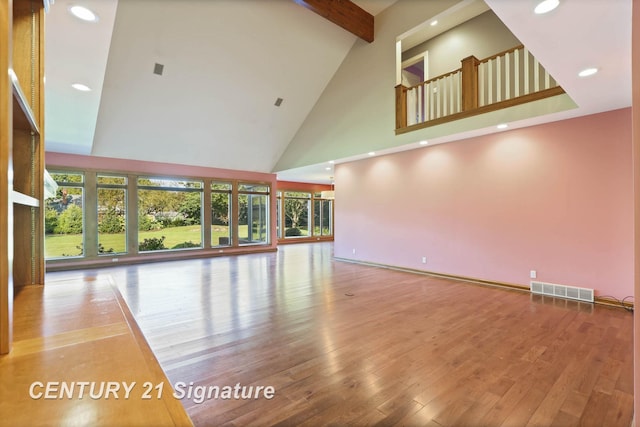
{"type": "Point", "coordinates": [332, 161]}
{"type": "Point", "coordinates": [588, 72]}
{"type": "Point", "coordinates": [423, 142]}
{"type": "Point", "coordinates": [434, 23]}
{"type": "Point", "coordinates": [546, 6]}
{"type": "Point", "coordinates": [83, 13]}
{"type": "Point", "coordinates": [372, 153]}
{"type": "Point", "coordinates": [327, 169]}
{"type": "Point", "coordinates": [502, 126]}
{"type": "Point", "coordinates": [81, 87]}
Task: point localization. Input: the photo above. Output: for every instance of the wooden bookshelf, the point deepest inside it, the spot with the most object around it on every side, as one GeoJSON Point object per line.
{"type": "Point", "coordinates": [21, 154]}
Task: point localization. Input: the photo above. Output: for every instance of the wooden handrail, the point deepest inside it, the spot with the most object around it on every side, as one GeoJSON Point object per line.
{"type": "Point", "coordinates": [504, 52]}
{"type": "Point", "coordinates": [480, 61]}
{"type": "Point", "coordinates": [467, 97]}
{"type": "Point", "coordinates": [442, 76]}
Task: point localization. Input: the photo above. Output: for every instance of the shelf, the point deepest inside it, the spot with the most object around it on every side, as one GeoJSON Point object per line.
{"type": "Point", "coordinates": [22, 199]}
{"type": "Point", "coordinates": [23, 117]}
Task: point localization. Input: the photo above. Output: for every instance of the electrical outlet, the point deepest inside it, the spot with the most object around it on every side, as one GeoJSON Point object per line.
{"type": "Point", "coordinates": [533, 274]}
{"type": "Point", "coordinates": [424, 259]}
{"type": "Point", "coordinates": [114, 259]}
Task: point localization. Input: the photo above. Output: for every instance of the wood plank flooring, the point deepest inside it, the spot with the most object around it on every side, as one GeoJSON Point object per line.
{"type": "Point", "coordinates": [347, 344]}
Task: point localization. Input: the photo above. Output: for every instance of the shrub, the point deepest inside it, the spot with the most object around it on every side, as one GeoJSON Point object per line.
{"type": "Point", "coordinates": [111, 222]}
{"type": "Point", "coordinates": [184, 245]}
{"type": "Point", "coordinates": [292, 232]}
{"type": "Point", "coordinates": [101, 250]}
{"type": "Point", "coordinates": [152, 244]}
{"type": "Point", "coordinates": [50, 221]}
{"type": "Point", "coordinates": [70, 221]}
{"type": "Point", "coordinates": [148, 223]}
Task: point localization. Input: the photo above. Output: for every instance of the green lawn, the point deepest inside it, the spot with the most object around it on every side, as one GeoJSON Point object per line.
{"type": "Point", "coordinates": [58, 245]}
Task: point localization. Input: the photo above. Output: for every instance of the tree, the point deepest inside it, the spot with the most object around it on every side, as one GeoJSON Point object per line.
{"type": "Point", "coordinates": [220, 208]}
{"type": "Point", "coordinates": [295, 210]}
{"type": "Point", "coordinates": [191, 207]}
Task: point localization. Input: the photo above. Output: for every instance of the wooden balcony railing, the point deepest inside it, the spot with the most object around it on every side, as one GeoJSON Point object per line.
{"type": "Point", "coordinates": [503, 80]}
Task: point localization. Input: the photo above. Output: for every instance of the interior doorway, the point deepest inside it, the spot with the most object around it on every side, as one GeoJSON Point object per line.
{"type": "Point", "coordinates": [415, 70]}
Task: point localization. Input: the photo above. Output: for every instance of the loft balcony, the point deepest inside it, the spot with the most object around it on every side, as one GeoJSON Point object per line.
{"type": "Point", "coordinates": [479, 86]}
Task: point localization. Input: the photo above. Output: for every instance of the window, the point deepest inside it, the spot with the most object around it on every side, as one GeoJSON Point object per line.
{"type": "Point", "coordinates": [296, 214]}
{"type": "Point", "coordinates": [112, 214]}
{"type": "Point", "coordinates": [169, 214]}
{"type": "Point", "coordinates": [64, 217]}
{"type": "Point", "coordinates": [322, 216]}
{"type": "Point", "coordinates": [278, 215]}
{"type": "Point", "coordinates": [253, 214]}
{"type": "Point", "coordinates": [220, 214]}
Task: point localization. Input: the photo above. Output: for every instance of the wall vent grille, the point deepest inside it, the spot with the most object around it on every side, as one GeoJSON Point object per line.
{"type": "Point", "coordinates": [562, 291]}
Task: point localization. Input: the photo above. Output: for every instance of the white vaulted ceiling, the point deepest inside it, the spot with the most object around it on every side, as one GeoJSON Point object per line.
{"type": "Point", "coordinates": [227, 61]}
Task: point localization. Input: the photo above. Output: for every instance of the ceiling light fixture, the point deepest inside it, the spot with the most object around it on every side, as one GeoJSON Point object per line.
{"type": "Point", "coordinates": [327, 169]}
{"type": "Point", "coordinates": [502, 126]}
{"type": "Point", "coordinates": [434, 23]}
{"type": "Point", "coordinates": [424, 142]}
{"type": "Point", "coordinates": [372, 153]}
{"type": "Point", "coordinates": [83, 13]}
{"type": "Point", "coordinates": [588, 72]}
{"type": "Point", "coordinates": [81, 87]}
{"type": "Point", "coordinates": [546, 6]}
{"type": "Point", "coordinates": [332, 161]}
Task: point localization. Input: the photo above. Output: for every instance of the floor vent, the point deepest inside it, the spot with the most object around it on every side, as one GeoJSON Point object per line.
{"type": "Point", "coordinates": [561, 291]}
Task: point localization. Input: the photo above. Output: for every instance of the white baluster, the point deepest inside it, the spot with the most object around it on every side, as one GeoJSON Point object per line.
{"type": "Point", "coordinates": [516, 68]}
{"type": "Point", "coordinates": [498, 79]}
{"type": "Point", "coordinates": [507, 75]}
{"type": "Point", "coordinates": [536, 75]}
{"type": "Point", "coordinates": [481, 90]}
{"type": "Point", "coordinates": [526, 71]}
{"type": "Point", "coordinates": [490, 82]}
{"type": "Point", "coordinates": [547, 80]}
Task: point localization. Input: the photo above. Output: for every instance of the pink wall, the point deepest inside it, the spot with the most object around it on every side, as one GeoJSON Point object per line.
{"type": "Point", "coordinates": [556, 198]}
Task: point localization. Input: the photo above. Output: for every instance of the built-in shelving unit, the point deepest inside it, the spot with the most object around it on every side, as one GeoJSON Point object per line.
{"type": "Point", "coordinates": [21, 154]}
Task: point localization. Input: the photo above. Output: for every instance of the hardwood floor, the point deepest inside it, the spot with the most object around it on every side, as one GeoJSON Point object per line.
{"type": "Point", "coordinates": [340, 343]}
{"type": "Point", "coordinates": [347, 344]}
{"type": "Point", "coordinates": [72, 331]}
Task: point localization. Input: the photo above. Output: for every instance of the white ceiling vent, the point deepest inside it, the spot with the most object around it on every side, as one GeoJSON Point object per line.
{"type": "Point", "coordinates": [158, 69]}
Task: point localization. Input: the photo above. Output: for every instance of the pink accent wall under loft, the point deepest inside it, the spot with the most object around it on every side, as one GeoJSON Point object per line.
{"type": "Point", "coordinates": [108, 164]}
{"type": "Point", "coordinates": [556, 198]}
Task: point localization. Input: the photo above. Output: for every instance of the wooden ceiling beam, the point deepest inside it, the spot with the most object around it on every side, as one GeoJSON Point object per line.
{"type": "Point", "coordinates": [344, 13]}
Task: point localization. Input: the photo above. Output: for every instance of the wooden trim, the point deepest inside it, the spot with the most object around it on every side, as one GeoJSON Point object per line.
{"type": "Point", "coordinates": [442, 76]}
{"type": "Point", "coordinates": [512, 286]}
{"type": "Point", "coordinates": [504, 52]}
{"type": "Point", "coordinates": [485, 109]}
{"type": "Point", "coordinates": [6, 186]}
{"type": "Point", "coordinates": [469, 83]}
{"type": "Point", "coordinates": [174, 407]}
{"type": "Point", "coordinates": [345, 14]}
{"type": "Point", "coordinates": [401, 106]}
{"type": "Point", "coordinates": [629, 305]}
